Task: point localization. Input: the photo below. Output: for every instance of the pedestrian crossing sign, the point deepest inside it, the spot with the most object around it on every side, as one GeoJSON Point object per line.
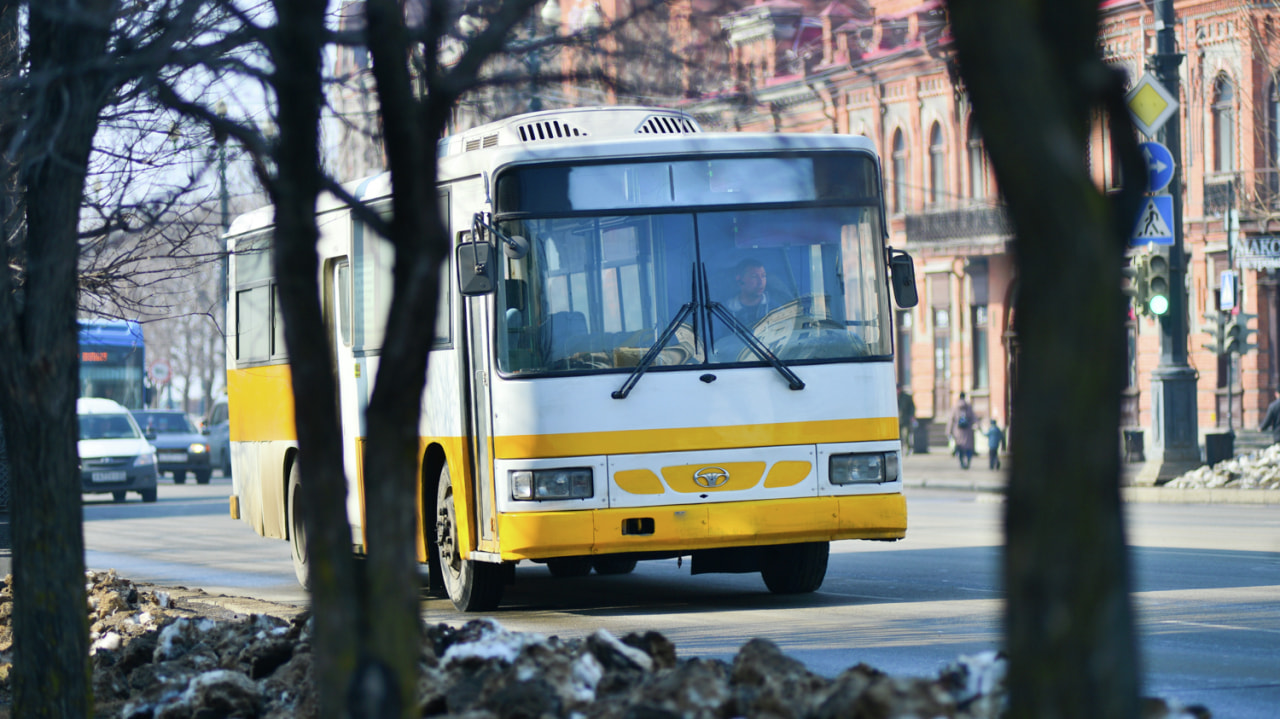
{"type": "Point", "coordinates": [1155, 222]}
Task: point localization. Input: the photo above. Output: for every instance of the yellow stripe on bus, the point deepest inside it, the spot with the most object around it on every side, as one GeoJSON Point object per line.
{"type": "Point", "coordinates": [578, 444]}
{"type": "Point", "coordinates": [260, 402]}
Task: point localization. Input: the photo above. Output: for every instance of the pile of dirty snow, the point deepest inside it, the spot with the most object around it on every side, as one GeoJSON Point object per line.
{"type": "Point", "coordinates": [1256, 470]}
{"type": "Point", "coordinates": [157, 658]}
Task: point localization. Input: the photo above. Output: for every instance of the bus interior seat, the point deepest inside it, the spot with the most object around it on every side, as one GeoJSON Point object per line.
{"type": "Point", "coordinates": [563, 335]}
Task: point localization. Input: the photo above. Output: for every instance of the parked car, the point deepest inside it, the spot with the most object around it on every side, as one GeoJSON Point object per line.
{"type": "Point", "coordinates": [115, 457]}
{"type": "Point", "coordinates": [218, 426]}
{"type": "Point", "coordinates": [180, 447]}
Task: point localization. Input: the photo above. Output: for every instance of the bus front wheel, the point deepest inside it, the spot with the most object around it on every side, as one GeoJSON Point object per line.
{"type": "Point", "coordinates": [298, 530]}
{"type": "Point", "coordinates": [794, 568]}
{"type": "Point", "coordinates": [472, 586]}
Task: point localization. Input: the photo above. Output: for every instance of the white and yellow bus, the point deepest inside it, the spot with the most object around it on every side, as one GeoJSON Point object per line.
{"type": "Point", "coordinates": [652, 342]}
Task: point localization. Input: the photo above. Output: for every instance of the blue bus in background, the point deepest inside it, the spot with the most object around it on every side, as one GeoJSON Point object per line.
{"type": "Point", "coordinates": [113, 362]}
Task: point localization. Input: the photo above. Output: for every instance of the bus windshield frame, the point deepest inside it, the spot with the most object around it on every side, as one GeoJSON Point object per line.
{"type": "Point", "coordinates": [620, 250]}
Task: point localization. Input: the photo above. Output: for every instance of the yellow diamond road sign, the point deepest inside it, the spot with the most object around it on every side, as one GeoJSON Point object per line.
{"type": "Point", "coordinates": [1151, 105]}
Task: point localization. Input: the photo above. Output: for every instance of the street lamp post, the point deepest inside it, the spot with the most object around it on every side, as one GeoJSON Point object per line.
{"type": "Point", "coordinates": [1175, 435]}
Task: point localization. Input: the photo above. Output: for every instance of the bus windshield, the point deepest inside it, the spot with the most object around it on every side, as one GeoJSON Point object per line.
{"type": "Point", "coordinates": [596, 293]}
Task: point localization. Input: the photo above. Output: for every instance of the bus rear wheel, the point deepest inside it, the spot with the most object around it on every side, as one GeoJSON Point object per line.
{"type": "Point", "coordinates": [794, 568]}
{"type": "Point", "coordinates": [298, 530]}
{"type": "Point", "coordinates": [472, 586]}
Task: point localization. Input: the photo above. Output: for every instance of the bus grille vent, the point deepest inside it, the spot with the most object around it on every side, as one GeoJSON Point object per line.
{"type": "Point", "coordinates": [477, 143]}
{"type": "Point", "coordinates": [548, 130]}
{"type": "Point", "coordinates": [667, 125]}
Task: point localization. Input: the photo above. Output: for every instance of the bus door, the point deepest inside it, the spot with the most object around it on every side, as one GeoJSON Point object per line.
{"type": "Point", "coordinates": [476, 322]}
{"type": "Point", "coordinates": [352, 379]}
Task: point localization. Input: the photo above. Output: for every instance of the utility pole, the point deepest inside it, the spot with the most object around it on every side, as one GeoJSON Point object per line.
{"type": "Point", "coordinates": [1175, 435]}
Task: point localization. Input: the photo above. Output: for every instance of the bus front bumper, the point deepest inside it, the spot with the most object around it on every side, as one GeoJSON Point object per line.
{"type": "Point", "coordinates": [542, 535]}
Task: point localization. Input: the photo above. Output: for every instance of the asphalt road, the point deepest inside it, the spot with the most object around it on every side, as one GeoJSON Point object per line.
{"type": "Point", "coordinates": [1206, 590]}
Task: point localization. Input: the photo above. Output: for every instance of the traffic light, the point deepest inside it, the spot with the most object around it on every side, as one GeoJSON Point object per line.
{"type": "Point", "coordinates": [1135, 285]}
{"type": "Point", "coordinates": [1158, 282]}
{"type": "Point", "coordinates": [1238, 335]}
{"type": "Point", "coordinates": [1217, 330]}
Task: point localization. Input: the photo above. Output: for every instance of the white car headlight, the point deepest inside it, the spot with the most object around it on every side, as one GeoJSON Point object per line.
{"type": "Point", "coordinates": [145, 460]}
{"type": "Point", "coordinates": [197, 448]}
{"type": "Point", "coordinates": [541, 484]}
{"type": "Point", "coordinates": [871, 468]}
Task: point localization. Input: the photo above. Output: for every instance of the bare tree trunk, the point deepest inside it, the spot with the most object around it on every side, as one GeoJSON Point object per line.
{"type": "Point", "coordinates": [1069, 625]}
{"type": "Point", "coordinates": [297, 56]}
{"type": "Point", "coordinates": [39, 373]}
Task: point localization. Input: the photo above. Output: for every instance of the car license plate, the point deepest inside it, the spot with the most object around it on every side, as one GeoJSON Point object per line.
{"type": "Point", "coordinates": [172, 456]}
{"type": "Point", "coordinates": [117, 476]}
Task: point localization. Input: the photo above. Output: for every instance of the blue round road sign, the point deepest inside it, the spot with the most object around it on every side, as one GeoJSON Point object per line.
{"type": "Point", "coordinates": [1159, 165]}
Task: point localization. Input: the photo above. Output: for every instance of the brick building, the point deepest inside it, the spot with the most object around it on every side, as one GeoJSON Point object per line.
{"type": "Point", "coordinates": [882, 68]}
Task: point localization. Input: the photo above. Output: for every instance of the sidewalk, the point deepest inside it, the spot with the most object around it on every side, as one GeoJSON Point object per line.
{"type": "Point", "coordinates": [939, 470]}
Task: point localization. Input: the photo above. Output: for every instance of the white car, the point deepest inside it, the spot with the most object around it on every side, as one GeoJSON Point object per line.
{"type": "Point", "coordinates": [115, 457]}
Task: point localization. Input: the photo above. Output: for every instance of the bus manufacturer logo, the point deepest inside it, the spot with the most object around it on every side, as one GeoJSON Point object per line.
{"type": "Point", "coordinates": [711, 477]}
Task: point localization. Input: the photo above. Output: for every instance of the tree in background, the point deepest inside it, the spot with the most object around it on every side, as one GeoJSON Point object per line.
{"type": "Point", "coordinates": [1069, 628]}
{"type": "Point", "coordinates": [69, 68]}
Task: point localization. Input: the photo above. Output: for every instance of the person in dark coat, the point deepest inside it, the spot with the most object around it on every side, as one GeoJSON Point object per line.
{"type": "Point", "coordinates": [906, 418]}
{"type": "Point", "coordinates": [1271, 420]}
{"type": "Point", "coordinates": [961, 429]}
{"type": "Point", "coordinates": [995, 443]}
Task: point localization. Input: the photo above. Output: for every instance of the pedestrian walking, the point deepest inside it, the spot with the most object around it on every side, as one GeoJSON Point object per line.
{"type": "Point", "coordinates": [995, 443]}
{"type": "Point", "coordinates": [906, 419]}
{"type": "Point", "coordinates": [960, 429]}
{"type": "Point", "coordinates": [1271, 420]}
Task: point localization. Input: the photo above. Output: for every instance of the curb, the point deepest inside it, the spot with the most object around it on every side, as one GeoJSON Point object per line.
{"type": "Point", "coordinates": [1136, 495]}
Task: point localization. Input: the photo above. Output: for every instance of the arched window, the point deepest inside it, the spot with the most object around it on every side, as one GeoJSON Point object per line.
{"type": "Point", "coordinates": [977, 164]}
{"type": "Point", "coordinates": [899, 173]}
{"type": "Point", "coordinates": [1224, 139]}
{"type": "Point", "coordinates": [937, 166]}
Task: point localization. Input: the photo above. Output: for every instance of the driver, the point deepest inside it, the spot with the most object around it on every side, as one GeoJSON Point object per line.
{"type": "Point", "coordinates": [752, 301]}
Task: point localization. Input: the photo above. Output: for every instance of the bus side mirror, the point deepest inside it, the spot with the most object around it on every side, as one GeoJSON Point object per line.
{"type": "Point", "coordinates": [475, 268]}
{"type": "Point", "coordinates": [902, 272]}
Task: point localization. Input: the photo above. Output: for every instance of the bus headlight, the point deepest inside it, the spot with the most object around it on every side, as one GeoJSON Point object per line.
{"type": "Point", "coordinates": [540, 484]}
{"type": "Point", "coordinates": [873, 468]}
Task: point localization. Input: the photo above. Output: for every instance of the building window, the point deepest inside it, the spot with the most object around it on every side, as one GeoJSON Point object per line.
{"type": "Point", "coordinates": [981, 374]}
{"type": "Point", "coordinates": [905, 321]}
{"type": "Point", "coordinates": [1224, 141]}
{"type": "Point", "coordinates": [977, 164]}
{"type": "Point", "coordinates": [937, 166]}
{"type": "Point", "coordinates": [899, 173]}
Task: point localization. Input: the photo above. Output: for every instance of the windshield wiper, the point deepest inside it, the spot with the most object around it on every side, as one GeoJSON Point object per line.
{"type": "Point", "coordinates": [652, 355]}
{"type": "Point", "coordinates": [705, 309]}
{"type": "Point", "coordinates": [760, 348]}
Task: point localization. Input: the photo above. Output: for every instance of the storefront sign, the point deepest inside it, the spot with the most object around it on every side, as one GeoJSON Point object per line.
{"type": "Point", "coordinates": [1259, 253]}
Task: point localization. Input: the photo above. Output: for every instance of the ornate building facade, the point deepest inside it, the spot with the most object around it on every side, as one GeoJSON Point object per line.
{"type": "Point", "coordinates": [883, 68]}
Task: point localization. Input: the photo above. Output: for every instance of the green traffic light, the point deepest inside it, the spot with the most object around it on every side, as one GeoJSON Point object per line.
{"type": "Point", "coordinates": [1159, 304]}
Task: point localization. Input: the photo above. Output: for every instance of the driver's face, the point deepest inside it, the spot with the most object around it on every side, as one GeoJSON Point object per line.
{"type": "Point", "coordinates": [752, 281]}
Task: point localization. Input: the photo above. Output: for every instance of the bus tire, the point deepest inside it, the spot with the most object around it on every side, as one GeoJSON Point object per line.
{"type": "Point", "coordinates": [613, 565]}
{"type": "Point", "coordinates": [298, 530]}
{"type": "Point", "coordinates": [563, 567]}
{"type": "Point", "coordinates": [472, 586]}
{"type": "Point", "coordinates": [794, 568]}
